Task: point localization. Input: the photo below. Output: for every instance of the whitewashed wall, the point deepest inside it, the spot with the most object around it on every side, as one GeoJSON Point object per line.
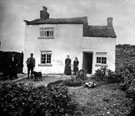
{"type": "Point", "coordinates": [67, 41]}
{"type": "Point", "coordinates": [99, 44]}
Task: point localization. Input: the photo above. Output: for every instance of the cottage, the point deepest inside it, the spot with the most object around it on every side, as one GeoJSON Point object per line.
{"type": "Point", "coordinates": [52, 39]}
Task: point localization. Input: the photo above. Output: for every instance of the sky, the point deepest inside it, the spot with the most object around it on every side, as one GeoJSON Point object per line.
{"type": "Point", "coordinates": [13, 12]}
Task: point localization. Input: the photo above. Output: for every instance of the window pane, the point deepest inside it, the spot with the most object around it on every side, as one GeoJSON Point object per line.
{"type": "Point", "coordinates": [43, 58]}
{"type": "Point", "coordinates": [51, 33]}
{"type": "Point", "coordinates": [46, 57]}
{"type": "Point", "coordinates": [98, 59]}
{"type": "Point", "coordinates": [103, 60]}
{"type": "Point", "coordinates": [46, 32]}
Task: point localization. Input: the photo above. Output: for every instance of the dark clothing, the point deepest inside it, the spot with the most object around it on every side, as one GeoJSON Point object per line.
{"type": "Point", "coordinates": [30, 69]}
{"type": "Point", "coordinates": [67, 70]}
{"type": "Point", "coordinates": [75, 66]}
{"type": "Point", "coordinates": [30, 65]}
{"type": "Point", "coordinates": [13, 67]}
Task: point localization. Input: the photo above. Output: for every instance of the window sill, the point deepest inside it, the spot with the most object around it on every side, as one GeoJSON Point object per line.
{"type": "Point", "coordinates": [101, 65]}
{"type": "Point", "coordinates": [45, 37]}
{"type": "Point", "coordinates": [44, 64]}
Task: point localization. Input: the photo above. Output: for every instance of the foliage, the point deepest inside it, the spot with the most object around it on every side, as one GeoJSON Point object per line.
{"type": "Point", "coordinates": [128, 83]}
{"type": "Point", "coordinates": [100, 74]}
{"type": "Point", "coordinates": [81, 74]}
{"type": "Point", "coordinates": [106, 75]}
{"type": "Point", "coordinates": [74, 82]}
{"type": "Point", "coordinates": [27, 100]}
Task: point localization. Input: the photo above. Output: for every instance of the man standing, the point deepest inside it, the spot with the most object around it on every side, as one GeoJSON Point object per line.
{"type": "Point", "coordinates": [30, 64]}
{"type": "Point", "coordinates": [67, 70]}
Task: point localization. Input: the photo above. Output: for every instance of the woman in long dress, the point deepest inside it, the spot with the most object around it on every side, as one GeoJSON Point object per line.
{"type": "Point", "coordinates": [67, 70]}
{"type": "Point", "coordinates": [75, 65]}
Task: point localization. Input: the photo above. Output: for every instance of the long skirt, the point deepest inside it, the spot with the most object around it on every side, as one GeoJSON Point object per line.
{"type": "Point", "coordinates": [67, 70]}
{"type": "Point", "coordinates": [75, 69]}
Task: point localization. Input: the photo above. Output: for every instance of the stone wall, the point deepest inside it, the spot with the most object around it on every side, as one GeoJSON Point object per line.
{"type": "Point", "coordinates": [125, 55]}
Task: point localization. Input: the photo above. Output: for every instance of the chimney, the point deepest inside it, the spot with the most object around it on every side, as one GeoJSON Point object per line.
{"type": "Point", "coordinates": [44, 14]}
{"type": "Point", "coordinates": [110, 21]}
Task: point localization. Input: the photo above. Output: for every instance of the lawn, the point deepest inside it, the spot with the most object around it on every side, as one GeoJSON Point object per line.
{"type": "Point", "coordinates": [103, 100]}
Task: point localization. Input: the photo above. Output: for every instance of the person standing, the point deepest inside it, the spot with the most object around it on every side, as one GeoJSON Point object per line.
{"type": "Point", "coordinates": [30, 64]}
{"type": "Point", "coordinates": [67, 70]}
{"type": "Point", "coordinates": [75, 65]}
{"type": "Point", "coordinates": [13, 66]}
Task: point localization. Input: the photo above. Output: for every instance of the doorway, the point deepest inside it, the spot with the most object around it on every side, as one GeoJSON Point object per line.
{"type": "Point", "coordinates": [87, 61]}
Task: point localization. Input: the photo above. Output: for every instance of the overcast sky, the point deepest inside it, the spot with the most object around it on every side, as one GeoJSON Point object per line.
{"type": "Point", "coordinates": [13, 12]}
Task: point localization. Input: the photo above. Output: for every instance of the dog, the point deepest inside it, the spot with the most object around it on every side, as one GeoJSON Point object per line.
{"type": "Point", "coordinates": [37, 75]}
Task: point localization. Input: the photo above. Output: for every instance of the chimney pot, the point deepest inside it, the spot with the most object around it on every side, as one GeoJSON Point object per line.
{"type": "Point", "coordinates": [110, 21]}
{"type": "Point", "coordinates": [44, 8]}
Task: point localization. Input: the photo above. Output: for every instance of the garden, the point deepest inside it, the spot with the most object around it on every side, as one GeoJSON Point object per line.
{"type": "Point", "coordinates": [104, 94]}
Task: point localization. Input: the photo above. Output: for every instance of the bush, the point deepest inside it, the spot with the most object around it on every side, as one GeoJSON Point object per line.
{"type": "Point", "coordinates": [81, 74]}
{"type": "Point", "coordinates": [27, 100]}
{"type": "Point", "coordinates": [74, 82]}
{"type": "Point", "coordinates": [100, 74]}
{"type": "Point", "coordinates": [106, 75]}
{"type": "Point", "coordinates": [111, 77]}
{"type": "Point", "coordinates": [130, 93]}
{"type": "Point", "coordinates": [127, 73]}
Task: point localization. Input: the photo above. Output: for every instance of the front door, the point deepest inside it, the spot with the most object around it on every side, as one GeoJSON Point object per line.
{"type": "Point", "coordinates": [87, 61]}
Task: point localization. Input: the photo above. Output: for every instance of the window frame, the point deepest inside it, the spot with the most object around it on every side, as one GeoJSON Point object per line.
{"type": "Point", "coordinates": [48, 61]}
{"type": "Point", "coordinates": [101, 58]}
{"type": "Point", "coordinates": [46, 33]}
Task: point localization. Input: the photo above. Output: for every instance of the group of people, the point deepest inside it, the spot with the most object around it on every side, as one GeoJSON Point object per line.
{"type": "Point", "coordinates": [67, 70]}
{"type": "Point", "coordinates": [31, 64]}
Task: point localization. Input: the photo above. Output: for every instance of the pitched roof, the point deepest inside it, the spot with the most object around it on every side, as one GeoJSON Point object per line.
{"type": "Point", "coordinates": [79, 20]}
{"type": "Point", "coordinates": [88, 30]}
{"type": "Point", "coordinates": [99, 31]}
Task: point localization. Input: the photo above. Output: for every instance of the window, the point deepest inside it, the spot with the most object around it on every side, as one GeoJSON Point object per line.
{"type": "Point", "coordinates": [46, 57]}
{"type": "Point", "coordinates": [47, 32]}
{"type": "Point", "coordinates": [101, 58]}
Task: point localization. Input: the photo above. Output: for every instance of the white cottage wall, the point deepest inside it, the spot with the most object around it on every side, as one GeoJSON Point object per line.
{"type": "Point", "coordinates": [100, 44]}
{"type": "Point", "coordinates": [67, 41]}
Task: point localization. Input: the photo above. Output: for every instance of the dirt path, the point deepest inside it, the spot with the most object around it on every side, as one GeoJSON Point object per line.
{"type": "Point", "coordinates": [46, 80]}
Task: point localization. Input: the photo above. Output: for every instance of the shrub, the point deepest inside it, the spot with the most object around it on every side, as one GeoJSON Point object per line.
{"type": "Point", "coordinates": [130, 93]}
{"type": "Point", "coordinates": [106, 75]}
{"type": "Point", "coordinates": [100, 74]}
{"type": "Point", "coordinates": [111, 77]}
{"type": "Point", "coordinates": [127, 73]}
{"type": "Point", "coordinates": [74, 82]}
{"type": "Point", "coordinates": [27, 100]}
{"type": "Point", "coordinates": [81, 74]}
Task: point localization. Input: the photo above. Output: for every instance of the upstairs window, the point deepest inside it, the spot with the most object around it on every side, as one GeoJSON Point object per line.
{"type": "Point", "coordinates": [46, 57]}
{"type": "Point", "coordinates": [47, 33]}
{"type": "Point", "coordinates": [101, 58]}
